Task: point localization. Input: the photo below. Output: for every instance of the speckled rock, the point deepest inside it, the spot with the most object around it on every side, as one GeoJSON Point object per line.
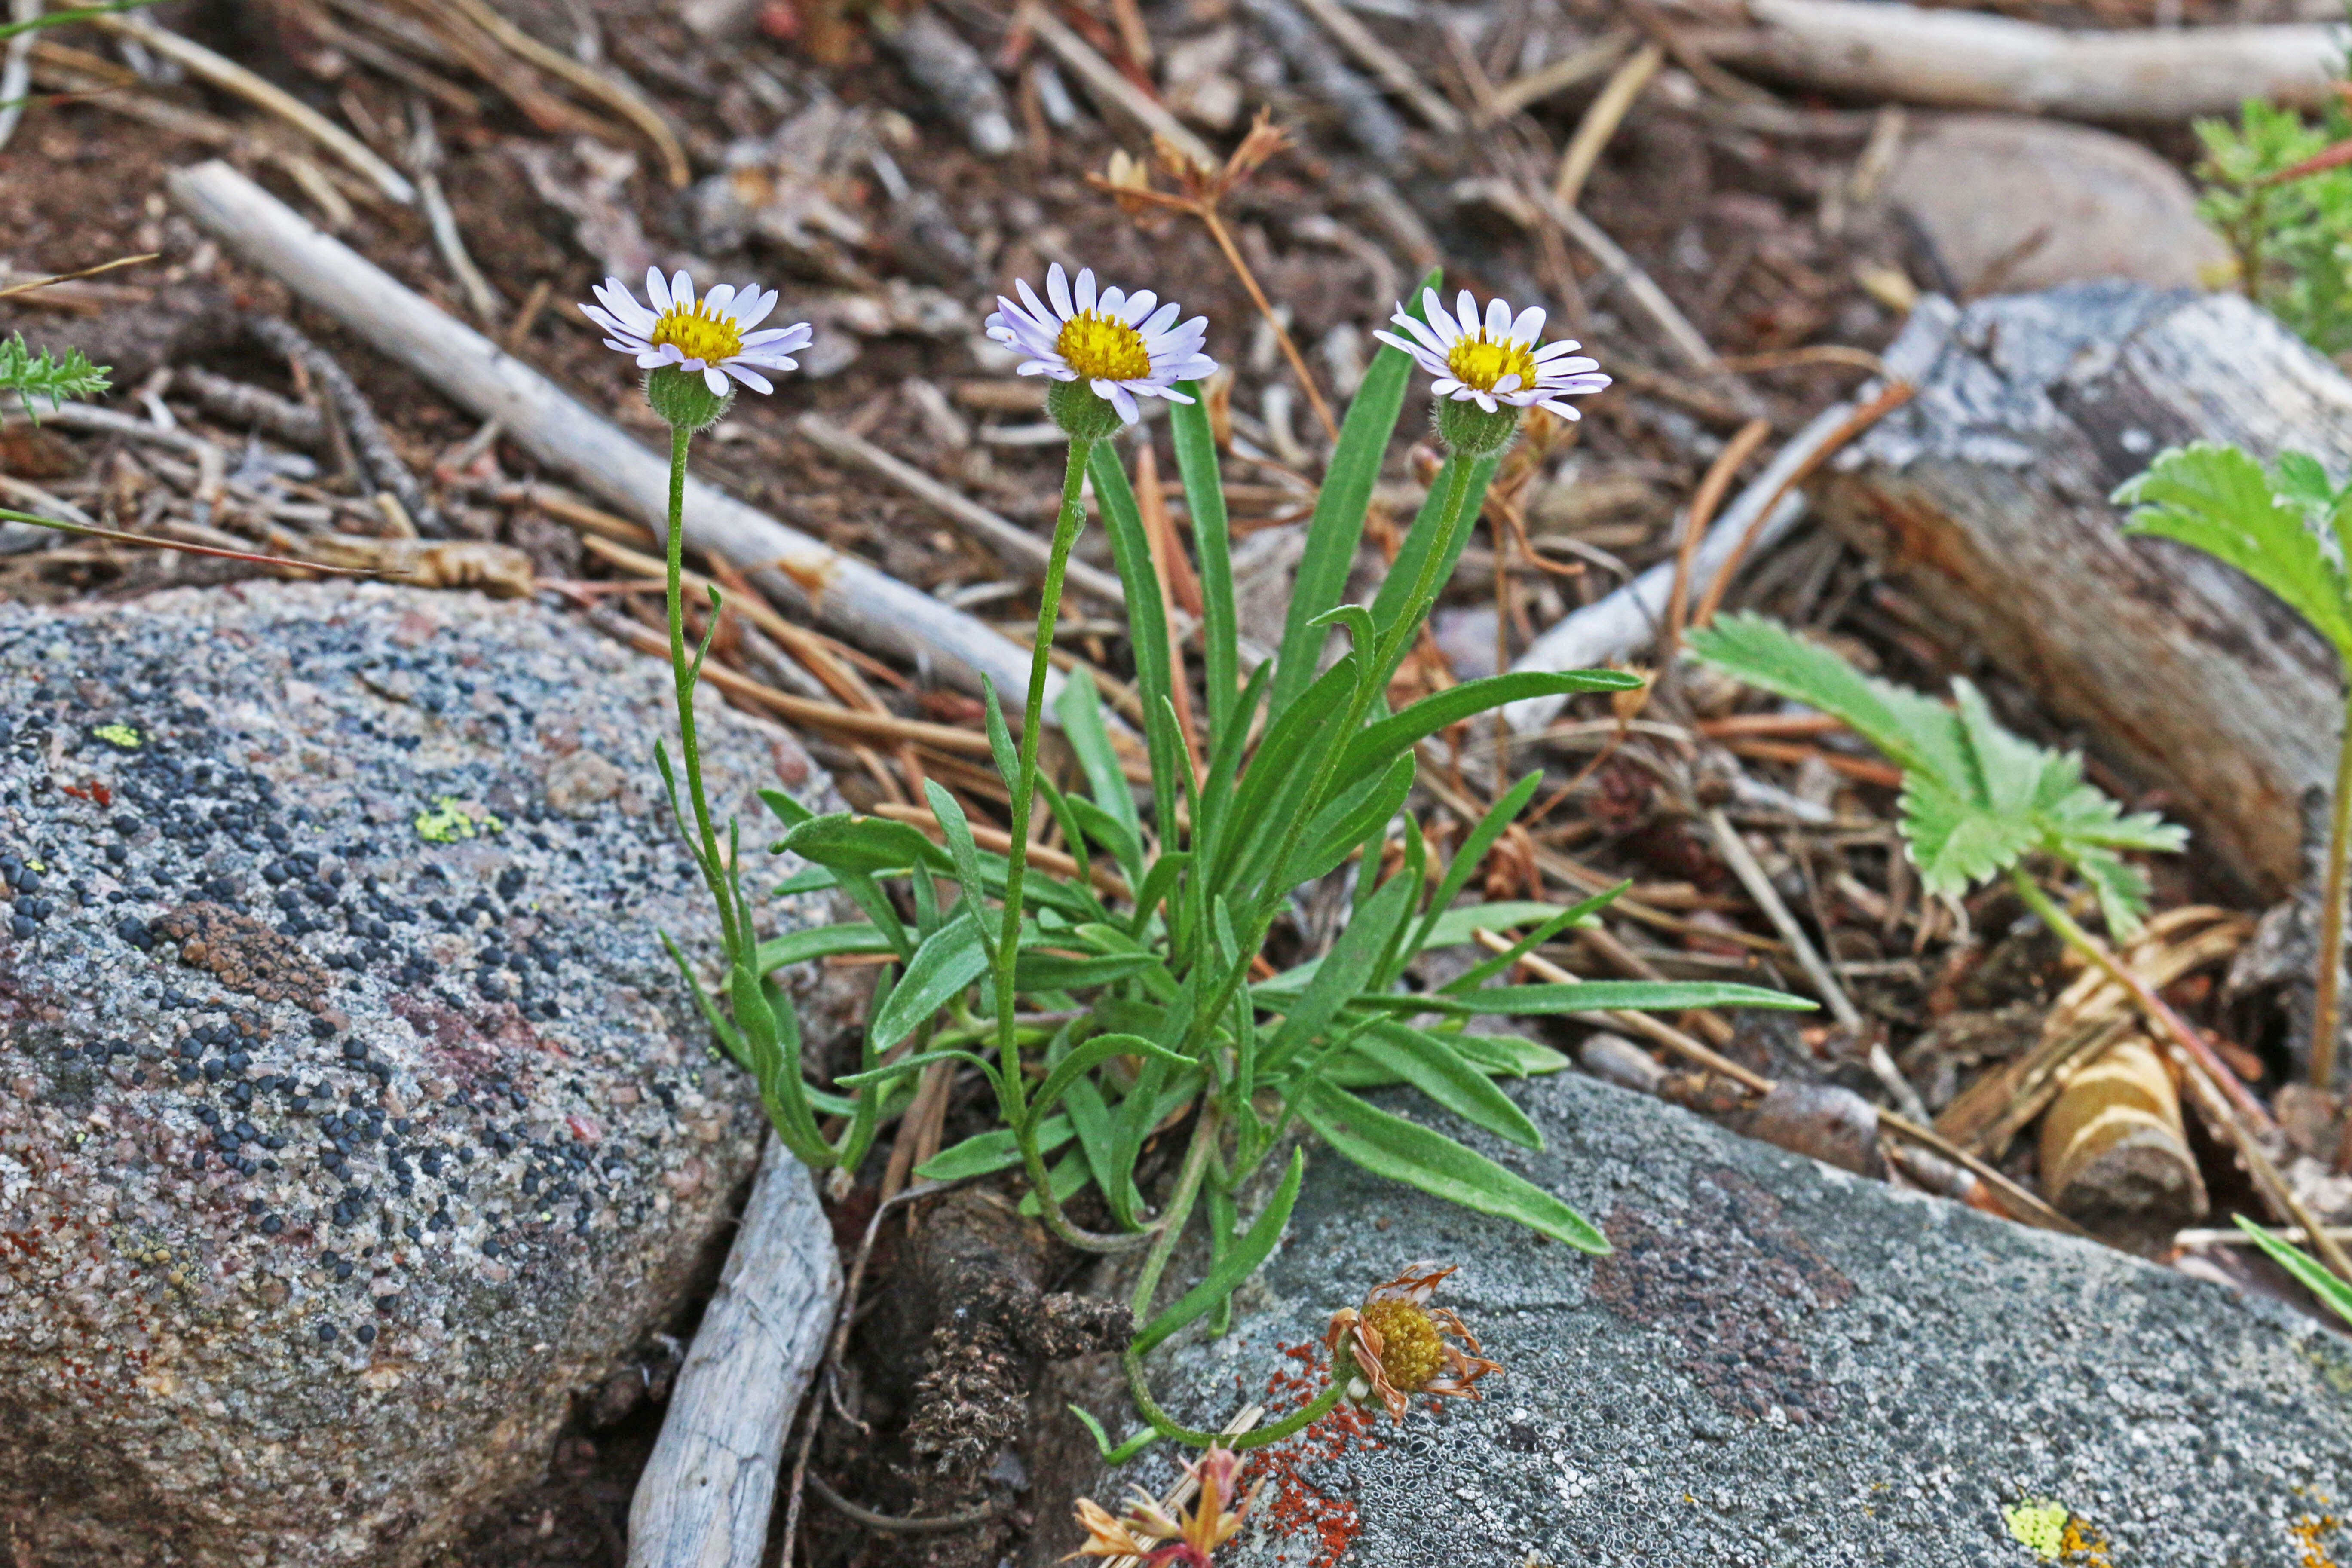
{"type": "Point", "coordinates": [351, 1116]}
{"type": "Point", "coordinates": [1782, 1365]}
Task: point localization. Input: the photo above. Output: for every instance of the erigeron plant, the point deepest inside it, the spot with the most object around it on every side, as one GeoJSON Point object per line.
{"type": "Point", "coordinates": [1100, 1006]}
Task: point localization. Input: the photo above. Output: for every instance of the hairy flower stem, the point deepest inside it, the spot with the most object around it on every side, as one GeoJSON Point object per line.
{"type": "Point", "coordinates": [685, 673]}
{"type": "Point", "coordinates": [2327, 990]}
{"type": "Point", "coordinates": [1073, 518]}
{"type": "Point", "coordinates": [1173, 1218]}
{"type": "Point", "coordinates": [1067, 526]}
{"type": "Point", "coordinates": [1166, 1425]}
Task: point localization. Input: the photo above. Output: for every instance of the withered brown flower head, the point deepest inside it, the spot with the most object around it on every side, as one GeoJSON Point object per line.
{"type": "Point", "coordinates": [1163, 1540]}
{"type": "Point", "coordinates": [1401, 1345]}
{"type": "Point", "coordinates": [1199, 187]}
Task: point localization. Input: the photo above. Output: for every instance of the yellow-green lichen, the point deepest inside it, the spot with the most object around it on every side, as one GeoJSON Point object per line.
{"type": "Point", "coordinates": [448, 819]}
{"type": "Point", "coordinates": [122, 735]}
{"type": "Point", "coordinates": [2039, 1525]}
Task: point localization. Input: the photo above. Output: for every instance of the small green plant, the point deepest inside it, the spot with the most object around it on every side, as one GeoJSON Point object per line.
{"type": "Point", "coordinates": [2290, 528]}
{"type": "Point", "coordinates": [1978, 800]}
{"type": "Point", "coordinates": [1098, 1007]}
{"type": "Point", "coordinates": [2287, 218]}
{"type": "Point", "coordinates": [45, 377]}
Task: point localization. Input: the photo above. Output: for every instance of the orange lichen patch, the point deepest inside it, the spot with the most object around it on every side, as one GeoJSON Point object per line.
{"type": "Point", "coordinates": [2082, 1545]}
{"type": "Point", "coordinates": [2310, 1531]}
{"type": "Point", "coordinates": [1309, 1521]}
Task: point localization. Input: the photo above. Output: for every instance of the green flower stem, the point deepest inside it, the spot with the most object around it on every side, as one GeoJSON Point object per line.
{"type": "Point", "coordinates": [1073, 518]}
{"type": "Point", "coordinates": [683, 671]}
{"type": "Point", "coordinates": [2327, 993]}
{"type": "Point", "coordinates": [1139, 1390]}
{"type": "Point", "coordinates": [1425, 588]}
{"type": "Point", "coordinates": [1173, 1218]}
{"type": "Point", "coordinates": [1067, 526]}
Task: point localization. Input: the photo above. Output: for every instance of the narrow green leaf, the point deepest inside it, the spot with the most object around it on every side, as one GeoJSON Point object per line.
{"type": "Point", "coordinates": [1098, 1141]}
{"type": "Point", "coordinates": [808, 879]}
{"type": "Point", "coordinates": [1204, 499]}
{"type": "Point", "coordinates": [1106, 829]}
{"type": "Point", "coordinates": [1406, 1151]}
{"type": "Point", "coordinates": [1080, 708]}
{"type": "Point", "coordinates": [1379, 743]}
{"type": "Point", "coordinates": [1053, 972]}
{"type": "Point", "coordinates": [1600, 995]}
{"type": "Point", "coordinates": [961, 847]}
{"type": "Point", "coordinates": [1086, 1058]}
{"type": "Point", "coordinates": [984, 1152]}
{"type": "Point", "coordinates": [2309, 1270]}
{"type": "Point", "coordinates": [1337, 525]}
{"type": "Point", "coordinates": [1470, 855]}
{"type": "Point", "coordinates": [821, 942]}
{"type": "Point", "coordinates": [917, 1063]}
{"type": "Point", "coordinates": [1341, 975]}
{"type": "Point", "coordinates": [869, 845]}
{"type": "Point", "coordinates": [1431, 1065]}
{"type": "Point", "coordinates": [1455, 926]}
{"type": "Point", "coordinates": [950, 959]}
{"type": "Point", "coordinates": [790, 812]}
{"type": "Point", "coordinates": [1235, 1267]}
{"type": "Point", "coordinates": [1354, 818]}
{"type": "Point", "coordinates": [1147, 635]}
{"type": "Point", "coordinates": [1000, 737]}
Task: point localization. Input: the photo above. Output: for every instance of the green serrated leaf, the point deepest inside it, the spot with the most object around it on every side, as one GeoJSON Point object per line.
{"type": "Point", "coordinates": [2217, 498]}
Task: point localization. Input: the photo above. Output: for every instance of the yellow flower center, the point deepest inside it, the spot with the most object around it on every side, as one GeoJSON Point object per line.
{"type": "Point", "coordinates": [1409, 1353]}
{"type": "Point", "coordinates": [700, 334]}
{"type": "Point", "coordinates": [1101, 348]}
{"type": "Point", "coordinates": [1476, 362]}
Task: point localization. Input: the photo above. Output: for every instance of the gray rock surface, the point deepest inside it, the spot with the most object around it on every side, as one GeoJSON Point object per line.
{"type": "Point", "coordinates": [2009, 203]}
{"type": "Point", "coordinates": [351, 1116]}
{"type": "Point", "coordinates": [1782, 1364]}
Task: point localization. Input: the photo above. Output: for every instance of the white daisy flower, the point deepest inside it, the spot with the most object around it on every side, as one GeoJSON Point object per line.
{"type": "Point", "coordinates": [713, 335]}
{"type": "Point", "coordinates": [1494, 361]}
{"type": "Point", "coordinates": [1113, 341]}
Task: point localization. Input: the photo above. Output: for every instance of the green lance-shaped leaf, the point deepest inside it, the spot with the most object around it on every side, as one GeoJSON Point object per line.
{"type": "Point", "coordinates": [950, 959]}
{"type": "Point", "coordinates": [1407, 1151]}
{"type": "Point", "coordinates": [1337, 525]}
{"type": "Point", "coordinates": [1235, 1267]}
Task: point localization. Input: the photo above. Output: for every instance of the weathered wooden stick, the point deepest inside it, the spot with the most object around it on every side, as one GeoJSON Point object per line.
{"type": "Point", "coordinates": [1986, 499]}
{"type": "Point", "coordinates": [704, 1499]}
{"type": "Point", "coordinates": [865, 603]}
{"type": "Point", "coordinates": [1962, 60]}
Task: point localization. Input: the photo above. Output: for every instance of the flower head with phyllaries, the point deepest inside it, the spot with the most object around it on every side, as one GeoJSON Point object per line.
{"type": "Point", "coordinates": [1401, 1345]}
{"type": "Point", "coordinates": [1164, 1539]}
{"type": "Point", "coordinates": [1492, 360]}
{"type": "Point", "coordinates": [1122, 345]}
{"type": "Point", "coordinates": [718, 334]}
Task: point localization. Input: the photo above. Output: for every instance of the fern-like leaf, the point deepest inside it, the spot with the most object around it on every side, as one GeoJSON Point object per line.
{"type": "Point", "coordinates": [2219, 500]}
{"type": "Point", "coordinates": [1977, 798]}
{"type": "Point", "coordinates": [31, 375]}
